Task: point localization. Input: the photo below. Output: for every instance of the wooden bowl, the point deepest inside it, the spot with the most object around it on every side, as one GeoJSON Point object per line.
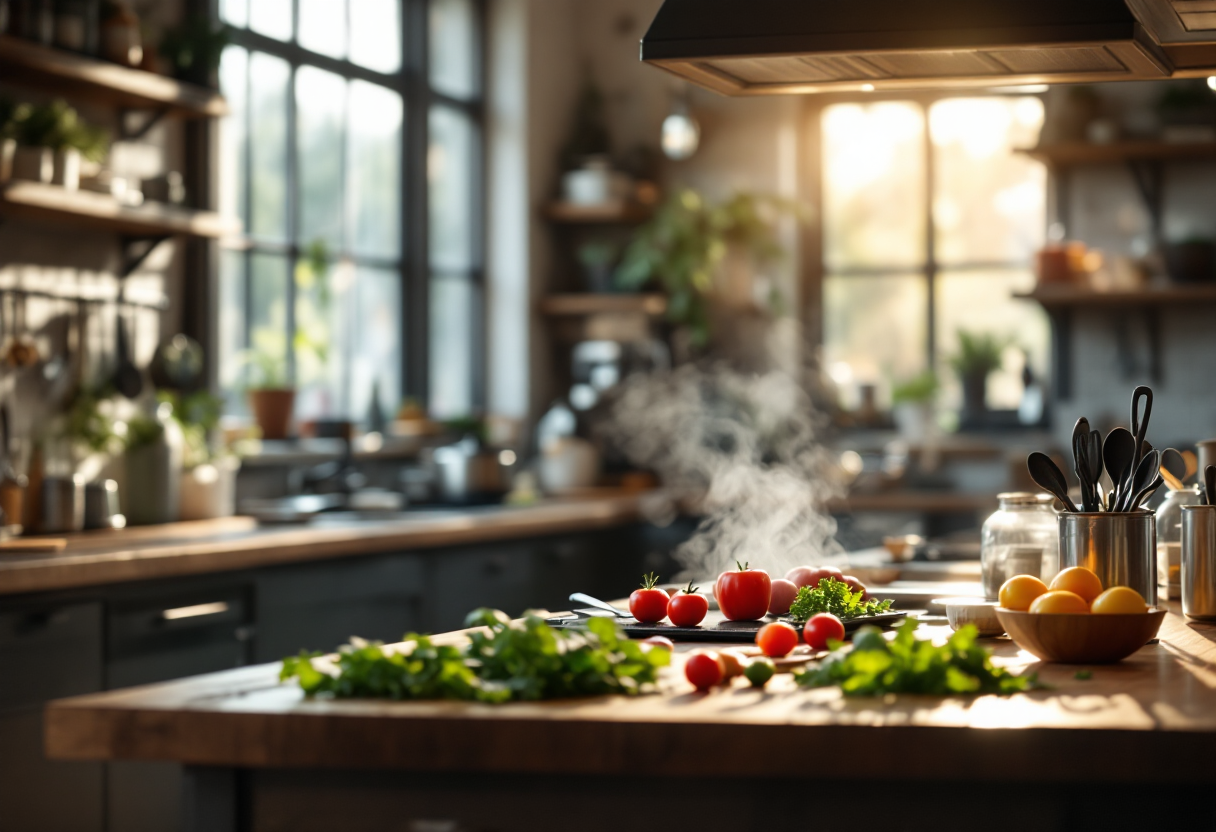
{"type": "Point", "coordinates": [1081, 638]}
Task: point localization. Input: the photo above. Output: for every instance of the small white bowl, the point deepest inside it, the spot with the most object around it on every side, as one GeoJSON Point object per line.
{"type": "Point", "coordinates": [977, 611]}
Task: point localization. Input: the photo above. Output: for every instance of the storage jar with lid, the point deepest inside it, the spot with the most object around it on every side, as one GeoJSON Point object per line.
{"type": "Point", "coordinates": [1169, 539]}
{"type": "Point", "coordinates": [1020, 538]}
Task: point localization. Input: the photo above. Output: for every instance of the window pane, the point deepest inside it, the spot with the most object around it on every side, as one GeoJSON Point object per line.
{"type": "Point", "coordinates": [875, 331]}
{"type": "Point", "coordinates": [234, 68]}
{"type": "Point", "coordinates": [375, 169]}
{"type": "Point", "coordinates": [452, 346]}
{"type": "Point", "coordinates": [451, 171]}
{"type": "Point", "coordinates": [981, 302]}
{"type": "Point", "coordinates": [323, 26]}
{"type": "Point", "coordinates": [235, 12]}
{"type": "Point", "coordinates": [990, 203]}
{"type": "Point", "coordinates": [268, 319]}
{"type": "Point", "coordinates": [320, 114]}
{"type": "Point", "coordinates": [375, 34]}
{"type": "Point", "coordinates": [873, 185]}
{"type": "Point", "coordinates": [271, 18]}
{"type": "Point", "coordinates": [454, 54]}
{"type": "Point", "coordinates": [232, 328]}
{"type": "Point", "coordinates": [376, 341]}
{"type": "Point", "coordinates": [268, 114]}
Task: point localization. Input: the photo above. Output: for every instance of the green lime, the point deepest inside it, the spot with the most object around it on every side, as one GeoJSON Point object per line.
{"type": "Point", "coordinates": [759, 671]}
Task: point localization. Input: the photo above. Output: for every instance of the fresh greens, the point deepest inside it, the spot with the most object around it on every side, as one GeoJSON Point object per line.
{"type": "Point", "coordinates": [514, 660]}
{"type": "Point", "coordinates": [910, 665]}
{"type": "Point", "coordinates": [835, 597]}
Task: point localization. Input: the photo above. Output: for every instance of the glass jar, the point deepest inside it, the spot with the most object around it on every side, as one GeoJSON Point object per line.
{"type": "Point", "coordinates": [1169, 539]}
{"type": "Point", "coordinates": [1021, 538]}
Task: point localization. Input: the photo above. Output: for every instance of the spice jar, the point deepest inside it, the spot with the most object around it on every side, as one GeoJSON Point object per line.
{"type": "Point", "coordinates": [1021, 538]}
{"type": "Point", "coordinates": [120, 38]}
{"type": "Point", "coordinates": [1169, 539]}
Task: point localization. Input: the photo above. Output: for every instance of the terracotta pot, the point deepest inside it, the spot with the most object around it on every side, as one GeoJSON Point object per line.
{"type": "Point", "coordinates": [272, 411]}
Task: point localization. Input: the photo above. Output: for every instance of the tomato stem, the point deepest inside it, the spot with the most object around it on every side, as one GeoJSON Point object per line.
{"type": "Point", "coordinates": [649, 580]}
{"type": "Point", "coordinates": [691, 590]}
{"type": "Point", "coordinates": [742, 568]}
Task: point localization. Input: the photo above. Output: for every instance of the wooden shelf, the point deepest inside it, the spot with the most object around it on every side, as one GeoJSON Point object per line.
{"type": "Point", "coordinates": [35, 201]}
{"type": "Point", "coordinates": [592, 304]}
{"type": "Point", "coordinates": [1083, 153]}
{"type": "Point", "coordinates": [611, 213]}
{"type": "Point", "coordinates": [1076, 296]}
{"type": "Point", "coordinates": [59, 72]}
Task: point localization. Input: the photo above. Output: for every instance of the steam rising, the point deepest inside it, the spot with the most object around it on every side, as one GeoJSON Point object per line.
{"type": "Point", "coordinates": [744, 448]}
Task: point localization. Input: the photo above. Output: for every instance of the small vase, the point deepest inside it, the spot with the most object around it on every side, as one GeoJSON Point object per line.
{"type": "Point", "coordinates": [975, 396]}
{"type": "Point", "coordinates": [272, 410]}
{"type": "Point", "coordinates": [153, 477]}
{"type": "Point", "coordinates": [8, 148]}
{"type": "Point", "coordinates": [67, 169]}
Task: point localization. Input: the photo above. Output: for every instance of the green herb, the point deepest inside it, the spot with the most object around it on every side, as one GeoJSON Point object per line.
{"type": "Point", "coordinates": [911, 665]}
{"type": "Point", "coordinates": [1084, 675]}
{"type": "Point", "coordinates": [514, 660]}
{"type": "Point", "coordinates": [835, 597]}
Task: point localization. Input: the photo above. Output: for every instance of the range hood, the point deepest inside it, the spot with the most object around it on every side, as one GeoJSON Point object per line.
{"type": "Point", "coordinates": [758, 47]}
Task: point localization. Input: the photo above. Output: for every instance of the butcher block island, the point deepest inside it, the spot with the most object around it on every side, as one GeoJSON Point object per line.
{"type": "Point", "coordinates": [1111, 747]}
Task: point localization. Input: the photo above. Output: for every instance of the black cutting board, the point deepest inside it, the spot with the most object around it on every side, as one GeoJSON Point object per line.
{"type": "Point", "coordinates": [716, 628]}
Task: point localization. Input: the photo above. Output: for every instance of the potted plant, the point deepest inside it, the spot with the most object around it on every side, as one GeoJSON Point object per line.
{"type": "Point", "coordinates": [597, 259]}
{"type": "Point", "coordinates": [912, 405]}
{"type": "Point", "coordinates": [153, 462]}
{"type": "Point", "coordinates": [272, 399]}
{"type": "Point", "coordinates": [979, 353]}
{"type": "Point", "coordinates": [701, 254]}
{"type": "Point", "coordinates": [193, 50]}
{"type": "Point", "coordinates": [208, 479]}
{"type": "Point", "coordinates": [51, 140]}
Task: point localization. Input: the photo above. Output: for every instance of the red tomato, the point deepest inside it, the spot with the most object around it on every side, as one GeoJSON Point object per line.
{"type": "Point", "coordinates": [832, 572]}
{"type": "Point", "coordinates": [686, 608]}
{"type": "Point", "coordinates": [744, 595]}
{"type": "Point", "coordinates": [660, 642]}
{"type": "Point", "coordinates": [815, 576]}
{"type": "Point", "coordinates": [716, 584]}
{"type": "Point", "coordinates": [820, 628]}
{"type": "Point", "coordinates": [854, 584]}
{"type": "Point", "coordinates": [781, 595]}
{"type": "Point", "coordinates": [777, 639]}
{"type": "Point", "coordinates": [703, 669]}
{"type": "Point", "coordinates": [800, 576]}
{"type": "Point", "coordinates": [648, 604]}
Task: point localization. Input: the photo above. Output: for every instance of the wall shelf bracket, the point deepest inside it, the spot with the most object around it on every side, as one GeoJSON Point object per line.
{"type": "Point", "coordinates": [135, 250]}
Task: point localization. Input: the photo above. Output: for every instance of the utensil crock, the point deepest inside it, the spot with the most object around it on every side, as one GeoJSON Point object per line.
{"type": "Point", "coordinates": [1120, 547]}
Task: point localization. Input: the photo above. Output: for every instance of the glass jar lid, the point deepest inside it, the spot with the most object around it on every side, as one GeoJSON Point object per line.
{"type": "Point", "coordinates": [1010, 499]}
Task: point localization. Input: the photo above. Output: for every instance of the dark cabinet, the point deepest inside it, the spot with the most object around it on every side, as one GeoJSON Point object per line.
{"type": "Point", "coordinates": [500, 576]}
{"type": "Point", "coordinates": [47, 652]}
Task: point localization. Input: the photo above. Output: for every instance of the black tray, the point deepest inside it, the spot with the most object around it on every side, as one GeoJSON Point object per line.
{"type": "Point", "coordinates": [716, 628]}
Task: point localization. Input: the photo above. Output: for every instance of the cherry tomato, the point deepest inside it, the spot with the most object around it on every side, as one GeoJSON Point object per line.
{"type": "Point", "coordinates": [686, 608]}
{"type": "Point", "coordinates": [661, 642]}
{"type": "Point", "coordinates": [800, 576]}
{"type": "Point", "coordinates": [781, 594]}
{"type": "Point", "coordinates": [703, 669]}
{"type": "Point", "coordinates": [744, 595]}
{"type": "Point", "coordinates": [760, 671]}
{"type": "Point", "coordinates": [648, 604]}
{"type": "Point", "coordinates": [854, 584]}
{"type": "Point", "coordinates": [777, 639]}
{"type": "Point", "coordinates": [820, 628]}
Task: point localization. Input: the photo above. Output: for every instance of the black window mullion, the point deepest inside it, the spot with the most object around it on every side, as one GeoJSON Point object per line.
{"type": "Point", "coordinates": [415, 230]}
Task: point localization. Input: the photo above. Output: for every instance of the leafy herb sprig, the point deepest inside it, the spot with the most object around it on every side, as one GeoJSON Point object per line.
{"type": "Point", "coordinates": [907, 664]}
{"type": "Point", "coordinates": [835, 597]}
{"type": "Point", "coordinates": [514, 660]}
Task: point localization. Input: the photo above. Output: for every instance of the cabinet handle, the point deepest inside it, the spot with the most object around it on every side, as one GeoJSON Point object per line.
{"type": "Point", "coordinates": [195, 611]}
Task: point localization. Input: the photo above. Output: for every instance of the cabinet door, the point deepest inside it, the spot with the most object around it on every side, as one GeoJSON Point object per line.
{"type": "Point", "coordinates": [320, 606]}
{"type": "Point", "coordinates": [47, 653]}
{"type": "Point", "coordinates": [498, 576]}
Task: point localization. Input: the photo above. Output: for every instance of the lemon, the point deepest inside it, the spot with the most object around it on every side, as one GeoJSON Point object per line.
{"type": "Point", "coordinates": [1019, 592]}
{"type": "Point", "coordinates": [1079, 580]}
{"type": "Point", "coordinates": [1059, 601]}
{"type": "Point", "coordinates": [1119, 600]}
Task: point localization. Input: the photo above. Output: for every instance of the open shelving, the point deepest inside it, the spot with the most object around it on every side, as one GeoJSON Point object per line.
{"type": "Point", "coordinates": [609, 213]}
{"type": "Point", "coordinates": [572, 305]}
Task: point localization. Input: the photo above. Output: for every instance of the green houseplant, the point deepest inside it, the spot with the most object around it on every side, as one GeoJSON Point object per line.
{"type": "Point", "coordinates": [684, 248]}
{"type": "Point", "coordinates": [912, 405]}
{"type": "Point", "coordinates": [979, 353]}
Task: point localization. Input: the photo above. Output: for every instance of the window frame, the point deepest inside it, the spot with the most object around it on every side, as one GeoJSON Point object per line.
{"type": "Point", "coordinates": [412, 83]}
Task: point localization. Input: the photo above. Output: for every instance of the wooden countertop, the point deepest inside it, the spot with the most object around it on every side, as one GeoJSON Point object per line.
{"type": "Point", "coordinates": [1151, 718]}
{"type": "Point", "coordinates": [240, 543]}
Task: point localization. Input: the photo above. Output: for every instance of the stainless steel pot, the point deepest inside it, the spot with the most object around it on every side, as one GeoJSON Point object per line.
{"type": "Point", "coordinates": [1199, 562]}
{"type": "Point", "coordinates": [470, 473]}
{"type": "Point", "coordinates": [1120, 547]}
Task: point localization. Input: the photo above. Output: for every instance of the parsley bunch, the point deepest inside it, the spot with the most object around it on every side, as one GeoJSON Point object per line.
{"type": "Point", "coordinates": [514, 660]}
{"type": "Point", "coordinates": [911, 665]}
{"type": "Point", "coordinates": [835, 597]}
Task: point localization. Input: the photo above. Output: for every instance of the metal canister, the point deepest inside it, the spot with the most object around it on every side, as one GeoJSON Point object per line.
{"type": "Point", "coordinates": [1199, 561]}
{"type": "Point", "coordinates": [1120, 547]}
{"type": "Point", "coordinates": [1207, 455]}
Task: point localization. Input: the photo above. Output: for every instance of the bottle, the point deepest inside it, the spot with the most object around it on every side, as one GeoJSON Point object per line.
{"type": "Point", "coordinates": [1021, 538]}
{"type": "Point", "coordinates": [1169, 539]}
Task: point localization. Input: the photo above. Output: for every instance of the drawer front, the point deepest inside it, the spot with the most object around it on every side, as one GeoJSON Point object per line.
{"type": "Point", "coordinates": [38, 795]}
{"type": "Point", "coordinates": [49, 652]}
{"type": "Point", "coordinates": [502, 577]}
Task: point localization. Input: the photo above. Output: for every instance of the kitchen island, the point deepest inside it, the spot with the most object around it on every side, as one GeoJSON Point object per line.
{"type": "Point", "coordinates": [1130, 744]}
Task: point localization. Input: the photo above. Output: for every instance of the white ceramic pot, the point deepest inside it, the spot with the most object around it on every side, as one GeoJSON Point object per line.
{"type": "Point", "coordinates": [914, 420]}
{"type": "Point", "coordinates": [208, 491]}
{"type": "Point", "coordinates": [568, 464]}
{"type": "Point", "coordinates": [67, 169]}
{"type": "Point", "coordinates": [7, 148]}
{"type": "Point", "coordinates": [37, 164]}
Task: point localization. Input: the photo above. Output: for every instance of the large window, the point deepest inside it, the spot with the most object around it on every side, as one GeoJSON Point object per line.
{"type": "Point", "coordinates": [931, 221]}
{"type": "Point", "coordinates": [353, 156]}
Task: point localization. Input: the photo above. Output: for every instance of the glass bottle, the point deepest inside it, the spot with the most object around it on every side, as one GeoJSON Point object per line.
{"type": "Point", "coordinates": [1169, 539]}
{"type": "Point", "coordinates": [1021, 538]}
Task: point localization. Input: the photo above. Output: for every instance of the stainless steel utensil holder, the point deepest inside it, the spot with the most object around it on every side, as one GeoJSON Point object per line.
{"type": "Point", "coordinates": [1120, 547]}
{"type": "Point", "coordinates": [1199, 561]}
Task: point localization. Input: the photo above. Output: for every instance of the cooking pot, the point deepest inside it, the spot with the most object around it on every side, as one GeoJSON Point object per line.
{"type": "Point", "coordinates": [469, 472]}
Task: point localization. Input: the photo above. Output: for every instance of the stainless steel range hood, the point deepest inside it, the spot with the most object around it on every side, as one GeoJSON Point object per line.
{"type": "Point", "coordinates": [757, 47]}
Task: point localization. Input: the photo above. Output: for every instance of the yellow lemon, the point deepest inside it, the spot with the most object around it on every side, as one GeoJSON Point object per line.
{"type": "Point", "coordinates": [1119, 600]}
{"type": "Point", "coordinates": [1018, 592]}
{"type": "Point", "coordinates": [1078, 580]}
{"type": "Point", "coordinates": [1059, 601]}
